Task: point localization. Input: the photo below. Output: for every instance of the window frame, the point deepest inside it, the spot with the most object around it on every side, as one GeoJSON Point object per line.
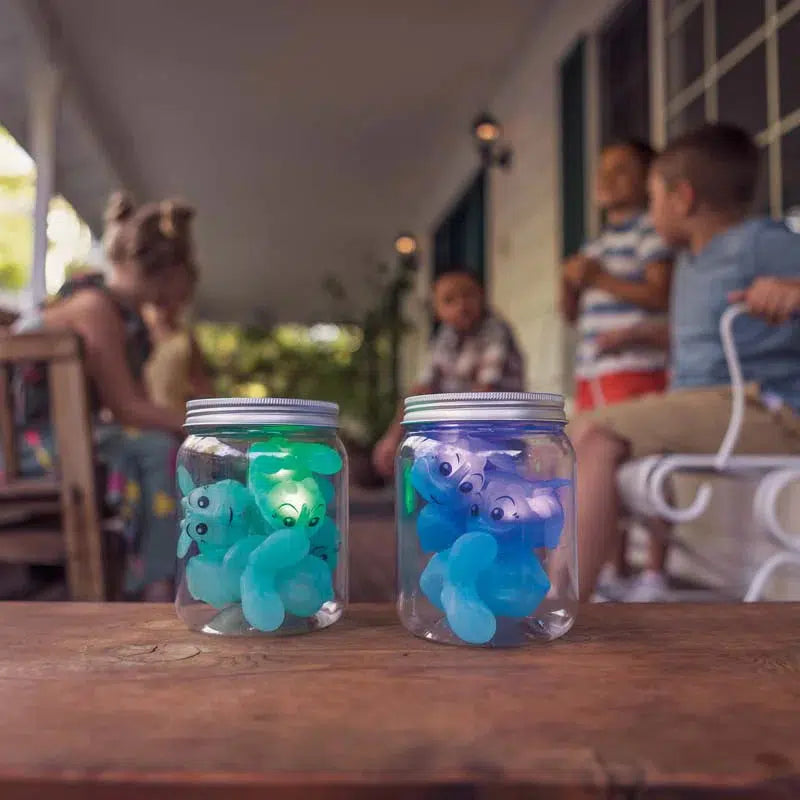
{"type": "Point", "coordinates": [706, 85]}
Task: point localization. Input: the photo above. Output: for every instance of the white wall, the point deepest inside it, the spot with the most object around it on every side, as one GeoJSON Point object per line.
{"type": "Point", "coordinates": [523, 210]}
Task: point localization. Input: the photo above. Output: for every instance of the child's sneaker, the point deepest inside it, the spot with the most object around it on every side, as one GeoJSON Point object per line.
{"type": "Point", "coordinates": [610, 585]}
{"type": "Point", "coordinates": [648, 587]}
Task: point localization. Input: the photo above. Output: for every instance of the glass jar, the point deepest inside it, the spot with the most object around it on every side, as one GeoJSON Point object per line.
{"type": "Point", "coordinates": [486, 519]}
{"type": "Point", "coordinates": [263, 529]}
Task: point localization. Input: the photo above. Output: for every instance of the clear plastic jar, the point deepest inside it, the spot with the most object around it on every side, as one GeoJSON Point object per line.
{"type": "Point", "coordinates": [263, 530]}
{"type": "Point", "coordinates": [486, 519]}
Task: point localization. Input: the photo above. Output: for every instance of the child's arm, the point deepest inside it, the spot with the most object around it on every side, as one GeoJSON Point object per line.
{"type": "Point", "coordinates": [97, 322]}
{"type": "Point", "coordinates": [776, 299]}
{"type": "Point", "coordinates": [651, 294]}
{"type": "Point", "coordinates": [774, 292]}
{"type": "Point", "coordinates": [383, 453]}
{"type": "Point", "coordinates": [386, 447]}
{"type": "Point", "coordinates": [199, 377]}
{"type": "Point", "coordinates": [571, 280]}
{"type": "Point", "coordinates": [645, 334]}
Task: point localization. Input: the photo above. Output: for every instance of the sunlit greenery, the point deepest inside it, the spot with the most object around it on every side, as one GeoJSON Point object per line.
{"type": "Point", "coordinates": [323, 362]}
{"type": "Point", "coordinates": [16, 230]}
{"type": "Point", "coordinates": [354, 365]}
{"type": "Point", "coordinates": [69, 238]}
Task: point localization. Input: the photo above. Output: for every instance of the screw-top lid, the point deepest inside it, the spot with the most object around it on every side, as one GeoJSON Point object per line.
{"type": "Point", "coordinates": [485, 407]}
{"type": "Point", "coordinates": [248, 411]}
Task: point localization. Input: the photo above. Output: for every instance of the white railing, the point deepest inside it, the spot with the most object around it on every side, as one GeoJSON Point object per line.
{"type": "Point", "coordinates": [647, 489]}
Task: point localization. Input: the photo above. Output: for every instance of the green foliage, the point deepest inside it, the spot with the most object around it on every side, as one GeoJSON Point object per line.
{"type": "Point", "coordinates": [16, 247]}
{"type": "Point", "coordinates": [351, 364]}
{"type": "Point", "coordinates": [289, 361]}
{"type": "Point", "coordinates": [19, 185]}
{"type": "Point", "coordinates": [16, 228]}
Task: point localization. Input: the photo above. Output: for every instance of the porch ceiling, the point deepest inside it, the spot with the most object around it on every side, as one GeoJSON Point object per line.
{"type": "Point", "coordinates": [305, 131]}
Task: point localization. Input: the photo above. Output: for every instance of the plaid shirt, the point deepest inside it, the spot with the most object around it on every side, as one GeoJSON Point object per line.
{"type": "Point", "coordinates": [489, 356]}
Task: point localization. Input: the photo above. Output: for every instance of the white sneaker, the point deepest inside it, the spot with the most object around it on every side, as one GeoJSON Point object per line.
{"type": "Point", "coordinates": [648, 587]}
{"type": "Point", "coordinates": [610, 585]}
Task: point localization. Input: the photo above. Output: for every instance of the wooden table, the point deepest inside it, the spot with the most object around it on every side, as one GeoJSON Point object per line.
{"type": "Point", "coordinates": [120, 701]}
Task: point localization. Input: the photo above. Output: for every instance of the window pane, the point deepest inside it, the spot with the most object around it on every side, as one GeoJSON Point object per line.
{"type": "Point", "coordinates": [625, 80]}
{"type": "Point", "coordinates": [742, 93]}
{"type": "Point", "coordinates": [685, 53]}
{"type": "Point", "coordinates": [736, 19]}
{"type": "Point", "coordinates": [790, 168]}
{"type": "Point", "coordinates": [788, 48]}
{"type": "Point", "coordinates": [690, 117]}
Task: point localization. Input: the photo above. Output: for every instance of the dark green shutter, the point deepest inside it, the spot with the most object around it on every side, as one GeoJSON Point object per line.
{"type": "Point", "coordinates": [573, 158]}
{"type": "Point", "coordinates": [459, 241]}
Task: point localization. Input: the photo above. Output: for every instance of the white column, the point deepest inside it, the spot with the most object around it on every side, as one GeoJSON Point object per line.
{"type": "Point", "coordinates": [43, 101]}
{"type": "Point", "coordinates": [658, 74]}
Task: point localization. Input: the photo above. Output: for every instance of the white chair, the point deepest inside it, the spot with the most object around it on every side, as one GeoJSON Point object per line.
{"type": "Point", "coordinates": [643, 484]}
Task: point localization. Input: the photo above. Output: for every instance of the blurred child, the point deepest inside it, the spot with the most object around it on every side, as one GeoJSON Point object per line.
{"type": "Point", "coordinates": [702, 189]}
{"type": "Point", "coordinates": [176, 370]}
{"type": "Point", "coordinates": [619, 280]}
{"type": "Point", "coordinates": [474, 350]}
{"type": "Point", "coordinates": [151, 255]}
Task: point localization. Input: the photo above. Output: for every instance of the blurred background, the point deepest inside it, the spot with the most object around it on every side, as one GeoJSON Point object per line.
{"type": "Point", "coordinates": [310, 134]}
{"type": "Point", "coordinates": [343, 154]}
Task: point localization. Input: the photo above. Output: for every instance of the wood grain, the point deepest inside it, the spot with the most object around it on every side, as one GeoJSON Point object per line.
{"type": "Point", "coordinates": [8, 438]}
{"type": "Point", "coordinates": [103, 701]}
{"type": "Point", "coordinates": [77, 537]}
{"type": "Point", "coordinates": [80, 517]}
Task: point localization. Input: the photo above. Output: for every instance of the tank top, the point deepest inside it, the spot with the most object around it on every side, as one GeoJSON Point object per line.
{"type": "Point", "coordinates": [30, 380]}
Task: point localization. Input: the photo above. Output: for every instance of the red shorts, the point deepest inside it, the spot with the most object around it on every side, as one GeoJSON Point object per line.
{"type": "Point", "coordinates": [616, 387]}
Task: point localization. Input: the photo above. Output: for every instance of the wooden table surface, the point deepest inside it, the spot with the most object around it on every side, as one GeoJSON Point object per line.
{"type": "Point", "coordinates": [103, 701]}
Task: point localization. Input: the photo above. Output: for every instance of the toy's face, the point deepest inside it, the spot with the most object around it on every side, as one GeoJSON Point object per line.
{"type": "Point", "coordinates": [217, 514]}
{"type": "Point", "coordinates": [449, 474]}
{"type": "Point", "coordinates": [507, 504]}
{"type": "Point", "coordinates": [294, 503]}
{"type": "Point", "coordinates": [325, 542]}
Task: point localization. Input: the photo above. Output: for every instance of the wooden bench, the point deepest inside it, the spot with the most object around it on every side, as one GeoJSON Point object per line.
{"type": "Point", "coordinates": [121, 702]}
{"type": "Point", "coordinates": [55, 518]}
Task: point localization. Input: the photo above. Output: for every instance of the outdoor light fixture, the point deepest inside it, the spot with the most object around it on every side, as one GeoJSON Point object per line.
{"type": "Point", "coordinates": [487, 132]}
{"type": "Point", "coordinates": [405, 244]}
{"type": "Point", "coordinates": [486, 129]}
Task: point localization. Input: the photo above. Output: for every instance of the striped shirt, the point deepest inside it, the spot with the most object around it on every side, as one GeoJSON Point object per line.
{"type": "Point", "coordinates": [624, 251]}
{"type": "Point", "coordinates": [488, 356]}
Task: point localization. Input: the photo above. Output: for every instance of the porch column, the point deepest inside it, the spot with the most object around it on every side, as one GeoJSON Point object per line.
{"type": "Point", "coordinates": [43, 103]}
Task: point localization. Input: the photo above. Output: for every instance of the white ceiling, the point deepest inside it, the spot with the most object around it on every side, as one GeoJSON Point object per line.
{"type": "Point", "coordinates": [306, 132]}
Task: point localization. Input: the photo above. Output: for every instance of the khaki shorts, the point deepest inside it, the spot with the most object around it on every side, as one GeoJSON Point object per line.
{"type": "Point", "coordinates": [694, 421]}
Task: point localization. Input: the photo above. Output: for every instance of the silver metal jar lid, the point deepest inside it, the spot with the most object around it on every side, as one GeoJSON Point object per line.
{"type": "Point", "coordinates": [248, 411]}
{"type": "Point", "coordinates": [485, 407]}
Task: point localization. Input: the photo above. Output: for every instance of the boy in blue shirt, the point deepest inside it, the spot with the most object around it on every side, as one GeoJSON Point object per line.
{"type": "Point", "coordinates": [701, 190]}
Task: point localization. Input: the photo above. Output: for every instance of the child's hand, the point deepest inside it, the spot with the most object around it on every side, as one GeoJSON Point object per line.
{"type": "Point", "coordinates": [579, 271]}
{"type": "Point", "coordinates": [775, 299]}
{"type": "Point", "coordinates": [570, 302]}
{"type": "Point", "coordinates": [612, 342]}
